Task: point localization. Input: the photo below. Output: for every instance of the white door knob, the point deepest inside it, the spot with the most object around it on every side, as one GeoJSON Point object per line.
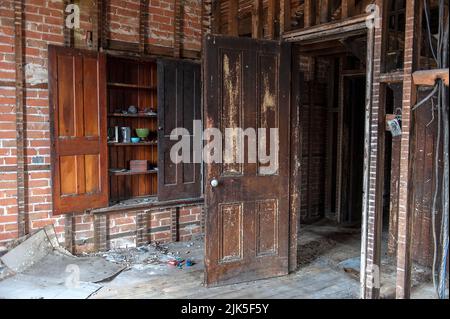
{"type": "Point", "coordinates": [214, 183]}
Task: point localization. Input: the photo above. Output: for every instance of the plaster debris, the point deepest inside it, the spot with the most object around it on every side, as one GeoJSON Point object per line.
{"type": "Point", "coordinates": [39, 268]}
{"type": "Point", "coordinates": [35, 74]}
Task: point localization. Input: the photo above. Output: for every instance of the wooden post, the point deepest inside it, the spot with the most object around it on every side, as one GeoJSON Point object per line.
{"type": "Point", "coordinates": [20, 109]}
{"type": "Point", "coordinates": [285, 16]}
{"type": "Point", "coordinates": [347, 8]}
{"type": "Point", "coordinates": [324, 11]}
{"type": "Point", "coordinates": [103, 7]}
{"type": "Point", "coordinates": [308, 16]}
{"type": "Point", "coordinates": [405, 212]}
{"type": "Point", "coordinates": [233, 18]}
{"type": "Point", "coordinates": [216, 17]}
{"type": "Point", "coordinates": [271, 18]}
{"type": "Point", "coordinates": [257, 19]}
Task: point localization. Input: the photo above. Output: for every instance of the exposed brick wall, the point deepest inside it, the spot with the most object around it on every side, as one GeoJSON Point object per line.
{"type": "Point", "coordinates": [43, 25]}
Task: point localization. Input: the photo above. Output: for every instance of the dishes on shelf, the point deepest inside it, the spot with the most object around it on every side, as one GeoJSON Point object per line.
{"type": "Point", "coordinates": [132, 109]}
{"type": "Point", "coordinates": [135, 140]}
{"type": "Point", "coordinates": [143, 133]}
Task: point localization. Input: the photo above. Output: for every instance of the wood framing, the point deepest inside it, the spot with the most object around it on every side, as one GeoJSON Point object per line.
{"type": "Point", "coordinates": [285, 16]}
{"type": "Point", "coordinates": [271, 18]}
{"type": "Point", "coordinates": [103, 6]}
{"type": "Point", "coordinates": [257, 19]}
{"type": "Point", "coordinates": [308, 13]}
{"type": "Point", "coordinates": [233, 18]}
{"type": "Point", "coordinates": [355, 25]}
{"type": "Point", "coordinates": [347, 8]}
{"type": "Point", "coordinates": [429, 77]}
{"type": "Point", "coordinates": [405, 217]}
{"type": "Point", "coordinates": [20, 108]}
{"type": "Point", "coordinates": [216, 17]}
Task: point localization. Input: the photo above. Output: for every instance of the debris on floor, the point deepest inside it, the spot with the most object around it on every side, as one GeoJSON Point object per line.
{"type": "Point", "coordinates": [41, 269]}
{"type": "Point", "coordinates": [154, 256]}
{"type": "Point", "coordinates": [351, 266]}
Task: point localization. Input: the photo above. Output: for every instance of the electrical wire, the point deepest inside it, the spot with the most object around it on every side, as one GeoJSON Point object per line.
{"type": "Point", "coordinates": [440, 55]}
{"type": "Point", "coordinates": [430, 39]}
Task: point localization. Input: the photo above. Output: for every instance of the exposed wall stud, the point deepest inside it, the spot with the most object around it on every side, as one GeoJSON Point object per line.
{"type": "Point", "coordinates": [20, 110]}
{"type": "Point", "coordinates": [233, 18]}
{"type": "Point", "coordinates": [257, 19]}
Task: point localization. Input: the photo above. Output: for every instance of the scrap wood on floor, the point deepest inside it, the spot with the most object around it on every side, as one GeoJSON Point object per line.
{"type": "Point", "coordinates": [39, 268]}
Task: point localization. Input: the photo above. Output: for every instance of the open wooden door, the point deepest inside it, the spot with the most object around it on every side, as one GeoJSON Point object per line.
{"type": "Point", "coordinates": [247, 86]}
{"type": "Point", "coordinates": [79, 132]}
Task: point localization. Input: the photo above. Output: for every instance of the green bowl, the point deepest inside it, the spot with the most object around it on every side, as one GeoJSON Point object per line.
{"type": "Point", "coordinates": [142, 132]}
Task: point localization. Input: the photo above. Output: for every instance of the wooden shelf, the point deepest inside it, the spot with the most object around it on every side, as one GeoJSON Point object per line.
{"type": "Point", "coordinates": [131, 173]}
{"type": "Point", "coordinates": [139, 115]}
{"type": "Point", "coordinates": [134, 144]}
{"type": "Point", "coordinates": [131, 86]}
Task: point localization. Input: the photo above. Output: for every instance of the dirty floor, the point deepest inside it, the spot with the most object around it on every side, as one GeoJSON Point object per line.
{"type": "Point", "coordinates": [149, 274]}
{"type": "Point", "coordinates": [328, 269]}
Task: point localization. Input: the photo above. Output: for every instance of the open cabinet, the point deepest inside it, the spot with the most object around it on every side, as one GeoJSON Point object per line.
{"type": "Point", "coordinates": [132, 97]}
{"type": "Point", "coordinates": [111, 124]}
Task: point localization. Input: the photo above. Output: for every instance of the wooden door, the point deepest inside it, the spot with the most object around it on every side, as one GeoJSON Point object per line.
{"type": "Point", "coordinates": [247, 85]}
{"type": "Point", "coordinates": [179, 105]}
{"type": "Point", "coordinates": [78, 129]}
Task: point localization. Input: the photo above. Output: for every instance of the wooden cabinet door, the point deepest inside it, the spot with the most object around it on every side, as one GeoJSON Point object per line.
{"type": "Point", "coordinates": [179, 104]}
{"type": "Point", "coordinates": [78, 129]}
{"type": "Point", "coordinates": [247, 85]}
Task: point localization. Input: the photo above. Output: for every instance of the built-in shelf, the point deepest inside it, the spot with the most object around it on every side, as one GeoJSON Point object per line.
{"type": "Point", "coordinates": [138, 115]}
{"type": "Point", "coordinates": [131, 173]}
{"type": "Point", "coordinates": [130, 86]}
{"type": "Point", "coordinates": [134, 144]}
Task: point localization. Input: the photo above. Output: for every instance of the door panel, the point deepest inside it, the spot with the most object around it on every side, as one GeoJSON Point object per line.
{"type": "Point", "coordinates": [78, 119]}
{"type": "Point", "coordinates": [247, 221]}
{"type": "Point", "coordinates": [179, 94]}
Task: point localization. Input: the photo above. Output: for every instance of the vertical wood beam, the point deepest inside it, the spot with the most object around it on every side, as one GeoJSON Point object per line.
{"type": "Point", "coordinates": [325, 11]}
{"type": "Point", "coordinates": [233, 18]}
{"type": "Point", "coordinates": [285, 16]}
{"type": "Point", "coordinates": [69, 231]}
{"type": "Point", "coordinates": [177, 28]}
{"type": "Point", "coordinates": [405, 212]}
{"type": "Point", "coordinates": [308, 15]}
{"type": "Point", "coordinates": [340, 133]}
{"type": "Point", "coordinates": [96, 25]}
{"type": "Point", "coordinates": [271, 18]}
{"type": "Point", "coordinates": [347, 8]}
{"type": "Point", "coordinates": [103, 8]}
{"type": "Point", "coordinates": [329, 160]}
{"type": "Point", "coordinates": [216, 17]}
{"type": "Point", "coordinates": [20, 110]}
{"type": "Point", "coordinates": [143, 24]}
{"type": "Point", "coordinates": [257, 19]}
{"type": "Point", "coordinates": [373, 165]}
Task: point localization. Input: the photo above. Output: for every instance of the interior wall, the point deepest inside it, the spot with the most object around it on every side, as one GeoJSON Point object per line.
{"type": "Point", "coordinates": [313, 135]}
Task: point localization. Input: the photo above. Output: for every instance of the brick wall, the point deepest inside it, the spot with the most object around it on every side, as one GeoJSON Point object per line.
{"type": "Point", "coordinates": [44, 25]}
